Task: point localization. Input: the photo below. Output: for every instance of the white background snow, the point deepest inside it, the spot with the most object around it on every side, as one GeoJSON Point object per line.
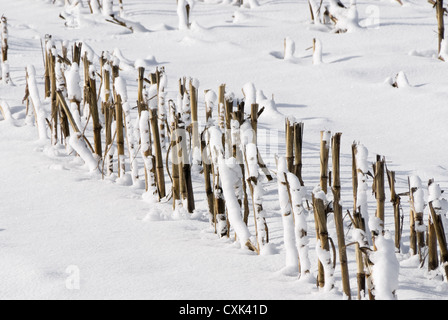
{"type": "Point", "coordinates": [67, 234]}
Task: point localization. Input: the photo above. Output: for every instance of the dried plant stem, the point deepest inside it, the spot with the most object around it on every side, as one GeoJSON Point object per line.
{"type": "Point", "coordinates": [120, 135]}
{"type": "Point", "coordinates": [51, 60]}
{"type": "Point", "coordinates": [324, 154]}
{"type": "Point", "coordinates": [396, 202]}
{"type": "Point", "coordinates": [320, 216]}
{"type": "Point", "coordinates": [359, 223]}
{"type": "Point", "coordinates": [440, 23]}
{"type": "Point", "coordinates": [298, 143]}
{"type": "Point", "coordinates": [289, 129]}
{"type": "Point", "coordinates": [92, 100]}
{"type": "Point", "coordinates": [378, 188]}
{"type": "Point", "coordinates": [160, 174]}
{"type": "Point", "coordinates": [337, 208]}
{"type": "Point", "coordinates": [441, 237]}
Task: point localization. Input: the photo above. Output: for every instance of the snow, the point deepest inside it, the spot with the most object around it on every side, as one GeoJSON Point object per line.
{"type": "Point", "coordinates": [59, 218]}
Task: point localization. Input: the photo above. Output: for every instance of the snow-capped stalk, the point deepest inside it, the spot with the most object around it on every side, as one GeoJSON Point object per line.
{"type": "Point", "coordinates": [186, 184]}
{"type": "Point", "coordinates": [292, 256]}
{"type": "Point", "coordinates": [434, 193]}
{"type": "Point", "coordinates": [152, 103]}
{"type": "Point", "coordinates": [289, 48]}
{"type": "Point", "coordinates": [436, 211]}
{"type": "Point", "coordinates": [317, 51]}
{"type": "Point", "coordinates": [120, 135]}
{"type": "Point", "coordinates": [396, 201]}
{"type": "Point", "coordinates": [216, 149]}
{"type": "Point", "coordinates": [74, 93]}
{"type": "Point", "coordinates": [377, 224]}
{"type": "Point", "coordinates": [325, 272]}
{"type": "Point", "coordinates": [61, 86]}
{"type": "Point", "coordinates": [254, 120]}
{"type": "Point", "coordinates": [160, 174]}
{"type": "Point", "coordinates": [361, 216]}
{"type": "Point", "coordinates": [51, 61]}
{"type": "Point", "coordinates": [121, 86]}
{"type": "Point", "coordinates": [48, 42]}
{"type": "Point", "coordinates": [359, 225]}
{"type": "Point", "coordinates": [210, 101]}
{"type": "Point", "coordinates": [325, 137]}
{"type": "Point", "coordinates": [4, 51]}
{"type": "Point", "coordinates": [145, 140]}
{"type": "Point", "coordinates": [140, 84]}
{"type": "Point", "coordinates": [228, 131]}
{"type": "Point", "coordinates": [337, 211]}
{"type": "Point", "coordinates": [207, 167]}
{"type": "Point", "coordinates": [298, 142]}
{"type": "Point", "coordinates": [184, 8]}
{"type": "Point", "coordinates": [186, 109]}
{"type": "Point", "coordinates": [39, 111]}
{"type": "Point", "coordinates": [221, 104]}
{"type": "Point", "coordinates": [416, 197]}
{"type": "Point", "coordinates": [92, 101]}
{"type": "Point", "coordinates": [77, 140]}
{"type": "Point", "coordinates": [108, 8]}
{"type": "Point", "coordinates": [229, 172]}
{"type": "Point", "coordinates": [107, 110]}
{"type": "Point", "coordinates": [301, 229]}
{"type": "Point", "coordinates": [195, 140]}
{"type": "Point", "coordinates": [385, 269]}
{"type": "Point", "coordinates": [237, 146]}
{"type": "Point", "coordinates": [162, 87]}
{"type": "Point", "coordinates": [177, 202]}
{"type": "Point", "coordinates": [361, 196]}
{"type": "Point", "coordinates": [256, 189]}
{"type": "Point", "coordinates": [289, 130]}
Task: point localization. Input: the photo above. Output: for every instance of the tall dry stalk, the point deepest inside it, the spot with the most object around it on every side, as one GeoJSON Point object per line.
{"type": "Point", "coordinates": [441, 236]}
{"type": "Point", "coordinates": [337, 210]}
{"type": "Point", "coordinates": [51, 61]}
{"type": "Point", "coordinates": [108, 111]}
{"type": "Point", "coordinates": [417, 207]}
{"type": "Point", "coordinates": [289, 129]}
{"type": "Point", "coordinates": [358, 223]}
{"type": "Point", "coordinates": [221, 105]}
{"type": "Point", "coordinates": [90, 96]}
{"type": "Point", "coordinates": [120, 134]}
{"type": "Point", "coordinates": [396, 202]}
{"type": "Point", "coordinates": [177, 200]}
{"type": "Point", "coordinates": [324, 154]}
{"type": "Point", "coordinates": [160, 173]}
{"type": "Point", "coordinates": [320, 216]}
{"type": "Point", "coordinates": [298, 144]}
{"type": "Point", "coordinates": [378, 188]}
{"type": "Point", "coordinates": [195, 138]}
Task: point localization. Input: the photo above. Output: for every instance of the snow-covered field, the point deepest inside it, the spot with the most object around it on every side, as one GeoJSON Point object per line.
{"type": "Point", "coordinates": [66, 233]}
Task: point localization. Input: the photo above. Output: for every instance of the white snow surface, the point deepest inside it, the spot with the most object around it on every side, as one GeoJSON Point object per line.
{"type": "Point", "coordinates": [61, 223]}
